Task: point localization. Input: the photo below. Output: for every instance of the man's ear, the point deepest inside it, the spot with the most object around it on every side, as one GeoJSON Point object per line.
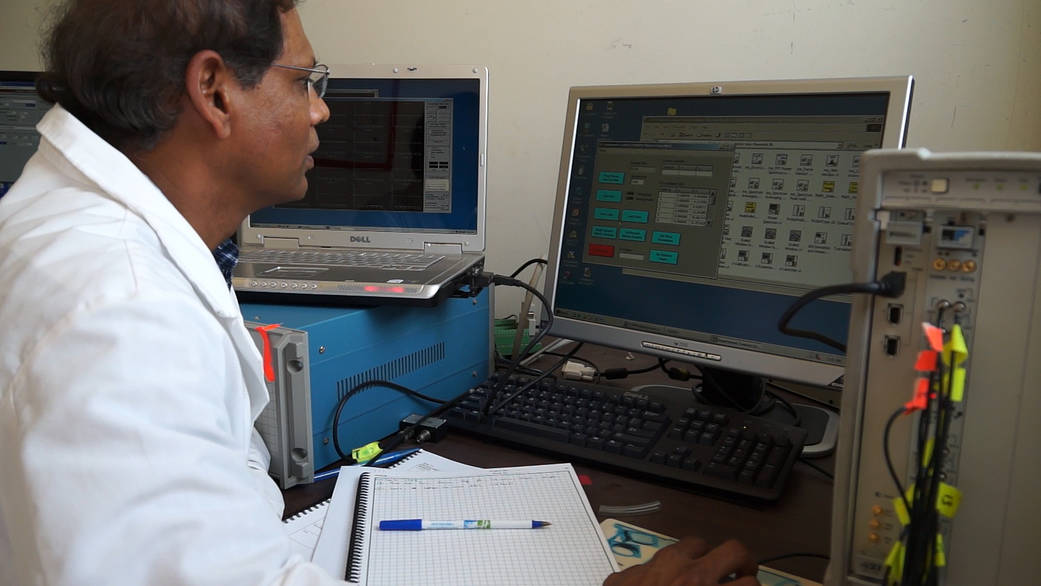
{"type": "Point", "coordinates": [208, 88]}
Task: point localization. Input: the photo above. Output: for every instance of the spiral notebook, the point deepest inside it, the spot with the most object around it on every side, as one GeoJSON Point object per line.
{"type": "Point", "coordinates": [305, 527]}
{"type": "Point", "coordinates": [571, 551]}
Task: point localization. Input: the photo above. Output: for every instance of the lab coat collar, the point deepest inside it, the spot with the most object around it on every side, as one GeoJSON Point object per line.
{"type": "Point", "coordinates": [119, 178]}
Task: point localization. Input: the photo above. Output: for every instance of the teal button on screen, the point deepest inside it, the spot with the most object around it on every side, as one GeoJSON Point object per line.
{"type": "Point", "coordinates": [672, 238]}
{"type": "Point", "coordinates": [633, 234]}
{"type": "Point", "coordinates": [604, 232]}
{"type": "Point", "coordinates": [634, 216]}
{"type": "Point", "coordinates": [664, 256]}
{"type": "Point", "coordinates": [612, 177]}
{"type": "Point", "coordinates": [605, 214]}
{"type": "Point", "coordinates": [611, 195]}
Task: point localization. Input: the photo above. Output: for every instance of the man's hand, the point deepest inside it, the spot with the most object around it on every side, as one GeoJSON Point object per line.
{"type": "Point", "coordinates": [691, 562]}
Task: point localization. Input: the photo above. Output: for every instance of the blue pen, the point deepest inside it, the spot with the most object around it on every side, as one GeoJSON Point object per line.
{"type": "Point", "coordinates": [420, 524]}
{"type": "Point", "coordinates": [381, 460]}
{"type": "Point", "coordinates": [384, 460]}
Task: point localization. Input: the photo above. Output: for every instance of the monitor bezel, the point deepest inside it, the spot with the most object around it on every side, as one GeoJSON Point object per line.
{"type": "Point", "coordinates": [773, 366]}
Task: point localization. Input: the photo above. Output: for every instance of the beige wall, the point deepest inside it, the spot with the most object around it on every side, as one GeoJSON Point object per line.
{"type": "Point", "coordinates": [977, 64]}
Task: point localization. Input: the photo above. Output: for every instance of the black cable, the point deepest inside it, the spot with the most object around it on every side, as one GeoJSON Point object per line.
{"type": "Point", "coordinates": [793, 555]}
{"type": "Point", "coordinates": [527, 264]}
{"type": "Point", "coordinates": [891, 285]}
{"type": "Point", "coordinates": [676, 373]}
{"type": "Point", "coordinates": [889, 460]}
{"type": "Point", "coordinates": [359, 387]}
{"type": "Point", "coordinates": [795, 414]}
{"type": "Point", "coordinates": [615, 373]}
{"type": "Point", "coordinates": [920, 544]}
{"type": "Point", "coordinates": [940, 436]}
{"type": "Point", "coordinates": [515, 363]}
{"type": "Point", "coordinates": [531, 383]}
{"type": "Point", "coordinates": [829, 475]}
{"type": "Point", "coordinates": [824, 404]}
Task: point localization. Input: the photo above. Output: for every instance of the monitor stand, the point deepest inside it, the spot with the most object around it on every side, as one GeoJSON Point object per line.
{"type": "Point", "coordinates": [747, 392]}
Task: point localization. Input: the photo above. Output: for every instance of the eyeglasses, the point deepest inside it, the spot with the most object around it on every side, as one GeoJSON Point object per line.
{"type": "Point", "coordinates": [318, 83]}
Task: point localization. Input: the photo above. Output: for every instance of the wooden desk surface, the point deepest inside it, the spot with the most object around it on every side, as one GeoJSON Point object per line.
{"type": "Point", "coordinates": [798, 523]}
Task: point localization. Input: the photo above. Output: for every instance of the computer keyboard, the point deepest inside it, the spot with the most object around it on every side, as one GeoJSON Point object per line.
{"type": "Point", "coordinates": [352, 258]}
{"type": "Point", "coordinates": [654, 431]}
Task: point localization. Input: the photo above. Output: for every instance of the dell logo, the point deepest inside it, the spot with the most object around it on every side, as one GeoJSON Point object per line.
{"type": "Point", "coordinates": [364, 239]}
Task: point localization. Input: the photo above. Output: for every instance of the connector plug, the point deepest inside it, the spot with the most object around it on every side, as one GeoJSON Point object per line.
{"type": "Point", "coordinates": [577, 371]}
{"type": "Point", "coordinates": [429, 429]}
{"type": "Point", "coordinates": [892, 284]}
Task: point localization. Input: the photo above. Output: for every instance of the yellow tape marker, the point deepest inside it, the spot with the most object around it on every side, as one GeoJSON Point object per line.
{"type": "Point", "coordinates": [901, 511]}
{"type": "Point", "coordinates": [939, 557]}
{"type": "Point", "coordinates": [895, 562]}
{"type": "Point", "coordinates": [366, 452]}
{"type": "Point", "coordinates": [958, 384]}
{"type": "Point", "coordinates": [928, 453]}
{"type": "Point", "coordinates": [948, 500]}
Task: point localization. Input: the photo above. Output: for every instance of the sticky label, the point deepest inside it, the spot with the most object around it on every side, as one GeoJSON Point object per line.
{"type": "Point", "coordinates": [269, 366]}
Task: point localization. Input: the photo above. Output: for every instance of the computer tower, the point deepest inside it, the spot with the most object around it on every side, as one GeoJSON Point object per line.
{"type": "Point", "coordinates": [965, 229]}
{"type": "Point", "coordinates": [317, 354]}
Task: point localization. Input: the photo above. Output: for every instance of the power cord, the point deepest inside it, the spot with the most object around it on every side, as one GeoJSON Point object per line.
{"type": "Point", "coordinates": [891, 285]}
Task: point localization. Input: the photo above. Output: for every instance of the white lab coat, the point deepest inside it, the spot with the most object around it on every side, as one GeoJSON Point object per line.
{"type": "Point", "coordinates": [128, 388]}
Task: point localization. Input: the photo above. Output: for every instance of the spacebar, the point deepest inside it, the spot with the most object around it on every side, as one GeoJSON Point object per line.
{"type": "Point", "coordinates": [535, 429]}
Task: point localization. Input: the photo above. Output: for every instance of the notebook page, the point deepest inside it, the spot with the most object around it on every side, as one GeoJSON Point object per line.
{"type": "Point", "coordinates": [572, 551]}
{"type": "Point", "coordinates": [331, 551]}
{"type": "Point", "coordinates": [305, 527]}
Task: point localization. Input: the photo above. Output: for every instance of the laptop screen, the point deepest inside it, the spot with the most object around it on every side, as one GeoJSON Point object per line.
{"type": "Point", "coordinates": [397, 153]}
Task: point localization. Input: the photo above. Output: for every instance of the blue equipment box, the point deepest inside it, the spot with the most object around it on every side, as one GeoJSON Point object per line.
{"type": "Point", "coordinates": [318, 354]}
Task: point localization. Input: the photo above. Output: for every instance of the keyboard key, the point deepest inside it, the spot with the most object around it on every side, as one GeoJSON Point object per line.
{"type": "Point", "coordinates": [634, 451]}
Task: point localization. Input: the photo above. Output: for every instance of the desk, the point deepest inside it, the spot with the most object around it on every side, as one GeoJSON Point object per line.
{"type": "Point", "coordinates": [799, 522]}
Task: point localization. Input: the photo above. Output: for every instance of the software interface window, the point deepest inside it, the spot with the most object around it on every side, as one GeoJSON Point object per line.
{"type": "Point", "coordinates": [20, 110]}
{"type": "Point", "coordinates": [384, 154]}
{"type": "Point", "coordinates": [762, 203]}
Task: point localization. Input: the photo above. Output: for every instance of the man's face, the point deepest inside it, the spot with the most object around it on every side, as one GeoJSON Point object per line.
{"type": "Point", "coordinates": [279, 125]}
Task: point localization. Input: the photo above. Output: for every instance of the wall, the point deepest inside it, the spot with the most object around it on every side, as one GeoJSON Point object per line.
{"type": "Point", "coordinates": [977, 65]}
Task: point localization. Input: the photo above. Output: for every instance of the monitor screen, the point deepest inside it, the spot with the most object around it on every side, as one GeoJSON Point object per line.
{"type": "Point", "coordinates": [689, 217]}
{"type": "Point", "coordinates": [20, 109]}
{"type": "Point", "coordinates": [396, 153]}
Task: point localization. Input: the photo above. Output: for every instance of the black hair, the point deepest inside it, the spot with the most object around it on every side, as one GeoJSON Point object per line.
{"type": "Point", "coordinates": [119, 65]}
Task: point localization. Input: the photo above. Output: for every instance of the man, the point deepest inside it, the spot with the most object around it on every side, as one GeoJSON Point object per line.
{"type": "Point", "coordinates": [128, 383]}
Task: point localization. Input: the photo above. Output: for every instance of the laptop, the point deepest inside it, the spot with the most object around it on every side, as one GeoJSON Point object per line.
{"type": "Point", "coordinates": [395, 206]}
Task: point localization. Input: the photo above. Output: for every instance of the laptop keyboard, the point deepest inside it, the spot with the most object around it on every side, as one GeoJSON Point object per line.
{"type": "Point", "coordinates": [401, 261]}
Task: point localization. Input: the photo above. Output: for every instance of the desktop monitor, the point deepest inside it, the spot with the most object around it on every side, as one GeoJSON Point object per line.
{"type": "Point", "coordinates": [690, 216]}
{"type": "Point", "coordinates": [20, 109]}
